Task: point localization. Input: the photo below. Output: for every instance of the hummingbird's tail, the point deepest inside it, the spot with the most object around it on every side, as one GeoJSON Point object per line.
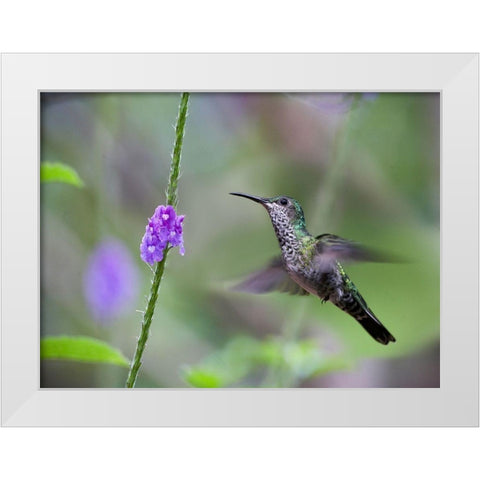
{"type": "Point", "coordinates": [355, 305]}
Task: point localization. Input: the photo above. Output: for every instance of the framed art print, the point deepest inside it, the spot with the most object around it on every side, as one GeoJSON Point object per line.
{"type": "Point", "coordinates": [319, 214]}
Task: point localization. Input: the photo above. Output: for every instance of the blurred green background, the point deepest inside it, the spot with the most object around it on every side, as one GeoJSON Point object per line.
{"type": "Point", "coordinates": [364, 166]}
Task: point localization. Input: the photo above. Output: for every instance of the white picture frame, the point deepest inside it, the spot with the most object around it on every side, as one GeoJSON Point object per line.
{"type": "Point", "coordinates": [455, 76]}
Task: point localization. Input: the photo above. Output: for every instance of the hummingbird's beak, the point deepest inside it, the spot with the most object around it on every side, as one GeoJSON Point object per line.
{"type": "Point", "coordinates": [261, 200]}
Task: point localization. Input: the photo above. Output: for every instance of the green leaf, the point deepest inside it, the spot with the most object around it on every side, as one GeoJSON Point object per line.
{"type": "Point", "coordinates": [303, 358]}
{"type": "Point", "coordinates": [269, 353]}
{"type": "Point", "coordinates": [224, 367]}
{"type": "Point", "coordinates": [81, 349]}
{"type": "Point", "coordinates": [244, 356]}
{"type": "Point", "coordinates": [202, 378]}
{"type": "Point", "coordinates": [59, 172]}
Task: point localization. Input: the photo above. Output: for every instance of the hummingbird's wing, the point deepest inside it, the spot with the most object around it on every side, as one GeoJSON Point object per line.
{"type": "Point", "coordinates": [273, 277]}
{"type": "Point", "coordinates": [330, 248]}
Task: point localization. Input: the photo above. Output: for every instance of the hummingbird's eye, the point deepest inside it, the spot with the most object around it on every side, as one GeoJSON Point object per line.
{"type": "Point", "coordinates": [283, 201]}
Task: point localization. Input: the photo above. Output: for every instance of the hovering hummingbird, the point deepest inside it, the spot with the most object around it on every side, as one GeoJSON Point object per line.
{"type": "Point", "coordinates": [311, 264]}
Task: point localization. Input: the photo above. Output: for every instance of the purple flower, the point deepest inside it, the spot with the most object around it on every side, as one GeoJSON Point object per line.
{"type": "Point", "coordinates": [369, 96]}
{"type": "Point", "coordinates": [329, 102]}
{"type": "Point", "coordinates": [110, 281]}
{"type": "Point", "coordinates": [164, 227]}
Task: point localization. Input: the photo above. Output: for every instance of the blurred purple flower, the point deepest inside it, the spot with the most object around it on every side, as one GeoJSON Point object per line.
{"type": "Point", "coordinates": [110, 281]}
{"type": "Point", "coordinates": [164, 227]}
{"type": "Point", "coordinates": [329, 102]}
{"type": "Point", "coordinates": [325, 102]}
{"type": "Point", "coordinates": [369, 96]}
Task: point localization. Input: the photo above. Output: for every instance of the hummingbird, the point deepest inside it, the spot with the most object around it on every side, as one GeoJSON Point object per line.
{"type": "Point", "coordinates": [311, 265]}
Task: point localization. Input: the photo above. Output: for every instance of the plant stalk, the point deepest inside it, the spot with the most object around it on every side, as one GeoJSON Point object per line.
{"type": "Point", "coordinates": [172, 199]}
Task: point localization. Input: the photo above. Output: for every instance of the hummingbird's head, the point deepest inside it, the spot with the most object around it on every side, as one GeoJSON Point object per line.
{"type": "Point", "coordinates": [281, 209]}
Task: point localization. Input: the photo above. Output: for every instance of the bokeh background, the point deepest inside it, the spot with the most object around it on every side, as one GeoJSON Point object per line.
{"type": "Point", "coordinates": [364, 166]}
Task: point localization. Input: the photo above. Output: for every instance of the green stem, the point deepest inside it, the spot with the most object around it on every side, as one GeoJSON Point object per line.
{"type": "Point", "coordinates": [172, 190]}
{"type": "Point", "coordinates": [281, 374]}
{"type": "Point", "coordinates": [333, 176]}
{"type": "Point", "coordinates": [172, 199]}
{"type": "Point", "coordinates": [147, 320]}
